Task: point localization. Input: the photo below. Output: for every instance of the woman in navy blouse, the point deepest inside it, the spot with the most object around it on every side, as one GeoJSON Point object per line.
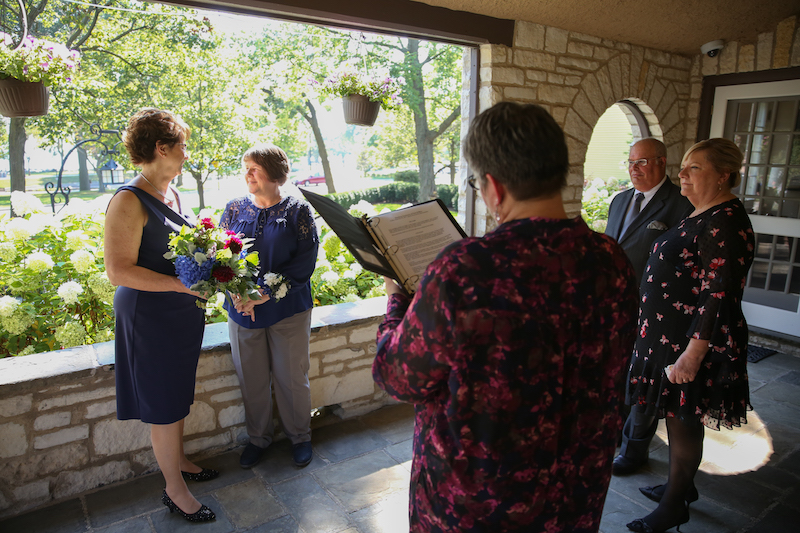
{"type": "Point", "coordinates": [270, 336]}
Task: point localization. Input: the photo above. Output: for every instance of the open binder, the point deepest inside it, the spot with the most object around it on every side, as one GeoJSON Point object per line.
{"type": "Point", "coordinates": [400, 244]}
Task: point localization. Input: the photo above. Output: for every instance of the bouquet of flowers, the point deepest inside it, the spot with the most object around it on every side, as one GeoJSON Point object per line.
{"type": "Point", "coordinates": [276, 286]}
{"type": "Point", "coordinates": [209, 260]}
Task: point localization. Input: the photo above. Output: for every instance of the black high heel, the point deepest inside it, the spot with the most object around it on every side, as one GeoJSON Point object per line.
{"type": "Point", "coordinates": [205, 474]}
{"type": "Point", "coordinates": [657, 492]}
{"type": "Point", "coordinates": [204, 514]}
{"type": "Point", "coordinates": [640, 526]}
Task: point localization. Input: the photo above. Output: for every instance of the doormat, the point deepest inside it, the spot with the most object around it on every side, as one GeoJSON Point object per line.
{"type": "Point", "coordinates": [757, 353]}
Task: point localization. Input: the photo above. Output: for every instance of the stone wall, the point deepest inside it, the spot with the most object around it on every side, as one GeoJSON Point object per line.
{"type": "Point", "coordinates": [577, 77]}
{"type": "Point", "coordinates": [59, 435]}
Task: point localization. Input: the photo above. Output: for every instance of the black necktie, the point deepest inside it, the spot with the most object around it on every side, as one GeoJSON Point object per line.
{"type": "Point", "coordinates": [637, 206]}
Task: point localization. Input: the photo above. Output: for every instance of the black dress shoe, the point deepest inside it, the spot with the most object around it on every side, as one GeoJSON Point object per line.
{"type": "Point", "coordinates": [623, 466]}
{"type": "Point", "coordinates": [251, 455]}
{"type": "Point", "coordinates": [204, 514]}
{"type": "Point", "coordinates": [656, 493]}
{"type": "Point", "coordinates": [205, 474]}
{"type": "Point", "coordinates": [640, 526]}
{"type": "Point", "coordinates": [301, 453]}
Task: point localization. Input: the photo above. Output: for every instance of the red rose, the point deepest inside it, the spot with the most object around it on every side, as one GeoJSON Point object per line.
{"type": "Point", "coordinates": [223, 274]}
{"type": "Point", "coordinates": [206, 223]}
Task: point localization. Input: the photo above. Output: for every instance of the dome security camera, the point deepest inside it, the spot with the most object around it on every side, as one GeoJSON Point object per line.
{"type": "Point", "coordinates": [712, 49]}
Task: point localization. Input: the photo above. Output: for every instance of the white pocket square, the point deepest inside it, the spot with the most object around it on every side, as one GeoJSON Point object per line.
{"type": "Point", "coordinates": [657, 224]}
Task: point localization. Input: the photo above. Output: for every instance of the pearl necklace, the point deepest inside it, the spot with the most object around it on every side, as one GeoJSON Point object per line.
{"type": "Point", "coordinates": [166, 200]}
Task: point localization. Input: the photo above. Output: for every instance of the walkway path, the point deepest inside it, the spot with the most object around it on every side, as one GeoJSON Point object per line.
{"type": "Point", "coordinates": [358, 480]}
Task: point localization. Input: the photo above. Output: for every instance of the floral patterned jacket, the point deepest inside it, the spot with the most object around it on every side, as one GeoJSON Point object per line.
{"type": "Point", "coordinates": [514, 352]}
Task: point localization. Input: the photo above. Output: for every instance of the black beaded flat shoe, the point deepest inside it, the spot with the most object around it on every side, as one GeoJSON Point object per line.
{"type": "Point", "coordinates": [204, 514]}
{"type": "Point", "coordinates": [656, 493]}
{"type": "Point", "coordinates": [640, 526]}
{"type": "Point", "coordinates": [205, 474]}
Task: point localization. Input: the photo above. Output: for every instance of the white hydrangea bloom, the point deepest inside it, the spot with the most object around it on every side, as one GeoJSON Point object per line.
{"type": "Point", "coordinates": [41, 221]}
{"type": "Point", "coordinates": [28, 350]}
{"type": "Point", "coordinates": [16, 323]}
{"type": "Point", "coordinates": [349, 274]}
{"type": "Point", "coordinates": [76, 239]}
{"type": "Point", "coordinates": [323, 263]}
{"type": "Point", "coordinates": [349, 298]}
{"type": "Point", "coordinates": [8, 304]}
{"type": "Point", "coordinates": [71, 334]}
{"type": "Point", "coordinates": [18, 229]}
{"type": "Point", "coordinates": [341, 259]}
{"type": "Point", "coordinates": [365, 207]}
{"type": "Point", "coordinates": [39, 261]}
{"type": "Point", "coordinates": [82, 260]}
{"type": "Point", "coordinates": [24, 203]}
{"type": "Point", "coordinates": [357, 268]}
{"type": "Point", "coordinates": [330, 277]}
{"type": "Point", "coordinates": [101, 286]}
{"type": "Point", "coordinates": [69, 291]}
{"type": "Point", "coordinates": [8, 252]}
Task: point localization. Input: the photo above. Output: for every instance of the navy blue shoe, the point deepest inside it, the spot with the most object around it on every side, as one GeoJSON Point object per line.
{"type": "Point", "coordinates": [251, 455]}
{"type": "Point", "coordinates": [302, 454]}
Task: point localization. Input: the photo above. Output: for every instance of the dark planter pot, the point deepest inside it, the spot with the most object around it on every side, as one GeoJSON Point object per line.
{"type": "Point", "coordinates": [23, 98]}
{"type": "Point", "coordinates": [359, 110]}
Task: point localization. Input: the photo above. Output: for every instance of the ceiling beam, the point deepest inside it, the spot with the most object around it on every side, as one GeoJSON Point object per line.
{"type": "Point", "coordinates": [396, 17]}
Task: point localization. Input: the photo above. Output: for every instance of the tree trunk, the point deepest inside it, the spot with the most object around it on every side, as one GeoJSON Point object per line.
{"type": "Point", "coordinates": [16, 153]}
{"type": "Point", "coordinates": [198, 178]}
{"type": "Point", "coordinates": [83, 172]}
{"type": "Point", "coordinates": [311, 118]}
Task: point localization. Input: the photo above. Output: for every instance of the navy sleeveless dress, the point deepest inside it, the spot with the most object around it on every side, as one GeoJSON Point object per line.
{"type": "Point", "coordinates": [158, 334]}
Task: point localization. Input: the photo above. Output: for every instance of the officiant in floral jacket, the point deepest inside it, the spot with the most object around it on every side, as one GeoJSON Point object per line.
{"type": "Point", "coordinates": [513, 349]}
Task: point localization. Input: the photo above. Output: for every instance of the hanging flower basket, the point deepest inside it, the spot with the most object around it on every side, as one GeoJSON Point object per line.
{"type": "Point", "coordinates": [23, 98]}
{"type": "Point", "coordinates": [359, 110]}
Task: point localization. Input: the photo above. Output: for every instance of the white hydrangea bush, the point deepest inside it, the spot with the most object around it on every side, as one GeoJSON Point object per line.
{"type": "Point", "coordinates": [54, 292]}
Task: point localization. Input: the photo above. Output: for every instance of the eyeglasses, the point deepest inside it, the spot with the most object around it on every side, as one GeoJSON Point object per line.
{"type": "Point", "coordinates": [473, 182]}
{"type": "Point", "coordinates": [640, 162]}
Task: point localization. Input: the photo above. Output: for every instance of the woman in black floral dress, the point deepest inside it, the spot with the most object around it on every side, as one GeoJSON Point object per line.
{"type": "Point", "coordinates": [514, 349]}
{"type": "Point", "coordinates": [689, 362]}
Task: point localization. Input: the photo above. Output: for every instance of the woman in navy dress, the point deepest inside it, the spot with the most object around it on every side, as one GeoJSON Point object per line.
{"type": "Point", "coordinates": [689, 363]}
{"type": "Point", "coordinates": [159, 328]}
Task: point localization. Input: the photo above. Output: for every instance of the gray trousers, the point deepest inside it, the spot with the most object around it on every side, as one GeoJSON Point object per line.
{"type": "Point", "coordinates": [275, 356]}
{"type": "Point", "coordinates": [637, 432]}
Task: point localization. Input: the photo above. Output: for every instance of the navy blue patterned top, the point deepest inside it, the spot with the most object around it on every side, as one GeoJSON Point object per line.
{"type": "Point", "coordinates": [286, 240]}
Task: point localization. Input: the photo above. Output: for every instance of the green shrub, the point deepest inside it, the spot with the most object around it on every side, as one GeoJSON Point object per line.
{"type": "Point", "coordinates": [54, 292]}
{"type": "Point", "coordinates": [406, 176]}
{"type": "Point", "coordinates": [395, 193]}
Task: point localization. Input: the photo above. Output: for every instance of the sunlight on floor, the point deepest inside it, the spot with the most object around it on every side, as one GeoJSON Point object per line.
{"type": "Point", "coordinates": [744, 449]}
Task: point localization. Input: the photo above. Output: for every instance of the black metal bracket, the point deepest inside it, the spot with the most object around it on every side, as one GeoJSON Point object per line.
{"type": "Point", "coordinates": [54, 189]}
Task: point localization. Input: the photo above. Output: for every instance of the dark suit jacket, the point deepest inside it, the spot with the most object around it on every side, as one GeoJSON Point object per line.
{"type": "Point", "coordinates": [663, 211]}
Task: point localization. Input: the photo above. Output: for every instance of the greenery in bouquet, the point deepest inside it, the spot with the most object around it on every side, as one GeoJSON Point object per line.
{"type": "Point", "coordinates": [210, 260]}
{"type": "Point", "coordinates": [37, 60]}
{"type": "Point", "coordinates": [384, 90]}
{"type": "Point", "coordinates": [54, 292]}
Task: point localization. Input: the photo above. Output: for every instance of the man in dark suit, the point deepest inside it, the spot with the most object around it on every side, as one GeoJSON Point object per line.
{"type": "Point", "coordinates": [636, 218]}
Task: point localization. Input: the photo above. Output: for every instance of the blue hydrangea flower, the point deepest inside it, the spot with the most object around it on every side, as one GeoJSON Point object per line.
{"type": "Point", "coordinates": [189, 272]}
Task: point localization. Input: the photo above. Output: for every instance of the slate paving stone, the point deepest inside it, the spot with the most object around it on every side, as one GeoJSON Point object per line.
{"type": "Point", "coordinates": [136, 525]}
{"type": "Point", "coordinates": [394, 423]}
{"type": "Point", "coordinates": [364, 480]}
{"type": "Point", "coordinates": [389, 515]}
{"type": "Point", "coordinates": [284, 524]}
{"type": "Point", "coordinates": [65, 517]}
{"type": "Point", "coordinates": [312, 507]}
{"type": "Point", "coordinates": [777, 520]}
{"type": "Point", "coordinates": [403, 452]}
{"type": "Point", "coordinates": [347, 439]}
{"type": "Point", "coordinates": [249, 504]}
{"type": "Point", "coordinates": [123, 500]}
{"type": "Point", "coordinates": [792, 378]}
